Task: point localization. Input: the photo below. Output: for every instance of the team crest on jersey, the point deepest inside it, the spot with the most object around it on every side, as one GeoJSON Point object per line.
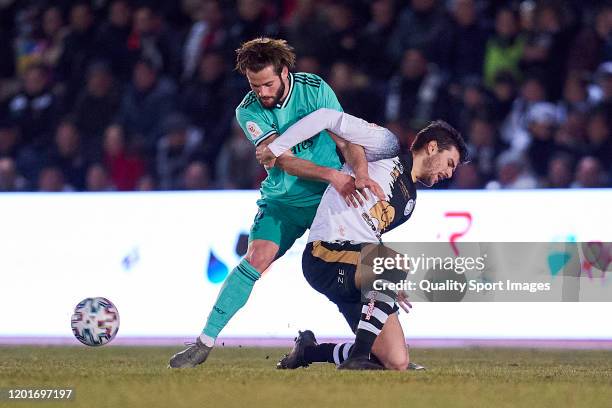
{"type": "Point", "coordinates": [254, 129]}
{"type": "Point", "coordinates": [409, 207]}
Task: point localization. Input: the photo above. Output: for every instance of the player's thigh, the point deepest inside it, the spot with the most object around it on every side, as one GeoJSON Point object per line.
{"type": "Point", "coordinates": [390, 345]}
{"type": "Point", "coordinates": [329, 269]}
{"type": "Point", "coordinates": [272, 224]}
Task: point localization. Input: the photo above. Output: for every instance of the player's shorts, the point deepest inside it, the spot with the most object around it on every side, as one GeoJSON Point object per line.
{"type": "Point", "coordinates": [330, 269]}
{"type": "Point", "coordinates": [280, 223]}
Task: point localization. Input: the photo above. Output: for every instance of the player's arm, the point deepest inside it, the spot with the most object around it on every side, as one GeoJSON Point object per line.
{"type": "Point", "coordinates": [355, 157]}
{"type": "Point", "coordinates": [378, 143]}
{"type": "Point", "coordinates": [256, 127]}
{"type": "Point", "coordinates": [343, 183]}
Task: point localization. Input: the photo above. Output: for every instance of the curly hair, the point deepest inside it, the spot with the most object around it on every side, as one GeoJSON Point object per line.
{"type": "Point", "coordinates": [259, 53]}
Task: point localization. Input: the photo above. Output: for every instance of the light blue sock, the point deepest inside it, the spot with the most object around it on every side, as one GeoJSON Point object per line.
{"type": "Point", "coordinates": [233, 295]}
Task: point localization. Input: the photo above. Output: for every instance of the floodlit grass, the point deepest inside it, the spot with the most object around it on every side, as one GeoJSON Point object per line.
{"type": "Point", "coordinates": [246, 377]}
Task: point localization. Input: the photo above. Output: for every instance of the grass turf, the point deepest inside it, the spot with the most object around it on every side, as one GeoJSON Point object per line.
{"type": "Point", "coordinates": [245, 377]}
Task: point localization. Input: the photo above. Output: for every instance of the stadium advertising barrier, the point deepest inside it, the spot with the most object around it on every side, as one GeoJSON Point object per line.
{"type": "Point", "coordinates": [161, 258]}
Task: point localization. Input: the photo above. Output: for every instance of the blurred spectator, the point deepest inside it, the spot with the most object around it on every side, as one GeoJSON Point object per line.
{"type": "Point", "coordinates": [9, 139]}
{"type": "Point", "coordinates": [560, 171]}
{"type": "Point", "coordinates": [374, 57]}
{"type": "Point", "coordinates": [53, 33]}
{"type": "Point", "coordinates": [504, 93]}
{"type": "Point", "coordinates": [97, 179]}
{"type": "Point", "coordinates": [355, 94]}
{"type": "Point", "coordinates": [177, 148]}
{"type": "Point", "coordinates": [571, 135]}
{"type": "Point", "coordinates": [602, 91]}
{"type": "Point", "coordinates": [209, 101]}
{"type": "Point", "coordinates": [419, 25]}
{"type": "Point", "coordinates": [146, 102]}
{"type": "Point", "coordinates": [589, 174]}
{"type": "Point", "coordinates": [467, 177]}
{"type": "Point", "coordinates": [206, 33]}
{"type": "Point", "coordinates": [461, 45]}
{"type": "Point", "coordinates": [125, 167]}
{"type": "Point", "coordinates": [546, 45]}
{"type": "Point", "coordinates": [593, 45]}
{"type": "Point", "coordinates": [51, 180]}
{"type": "Point", "coordinates": [237, 167]}
{"type": "Point", "coordinates": [68, 154]}
{"type": "Point", "coordinates": [484, 145]}
{"type": "Point", "coordinates": [253, 18]}
{"type": "Point", "coordinates": [514, 129]}
{"type": "Point", "coordinates": [512, 173]}
{"type": "Point", "coordinates": [78, 49]}
{"type": "Point", "coordinates": [112, 39]}
{"type": "Point", "coordinates": [341, 37]}
{"type": "Point", "coordinates": [471, 99]}
{"type": "Point", "coordinates": [599, 138]}
{"type": "Point", "coordinates": [415, 94]}
{"type": "Point", "coordinates": [152, 40]}
{"type": "Point", "coordinates": [306, 29]}
{"type": "Point", "coordinates": [575, 95]}
{"type": "Point", "coordinates": [541, 125]}
{"type": "Point", "coordinates": [505, 49]}
{"type": "Point", "coordinates": [196, 176]}
{"type": "Point", "coordinates": [309, 63]}
{"type": "Point", "coordinates": [96, 105]}
{"type": "Point", "coordinates": [147, 183]}
{"type": "Point", "coordinates": [10, 181]}
{"type": "Point", "coordinates": [35, 109]}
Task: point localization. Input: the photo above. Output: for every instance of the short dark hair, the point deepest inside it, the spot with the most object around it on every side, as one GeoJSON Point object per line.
{"type": "Point", "coordinates": [259, 53]}
{"type": "Point", "coordinates": [445, 135]}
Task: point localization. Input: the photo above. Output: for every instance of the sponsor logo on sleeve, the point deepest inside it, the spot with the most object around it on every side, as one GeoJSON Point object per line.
{"type": "Point", "coordinates": [253, 129]}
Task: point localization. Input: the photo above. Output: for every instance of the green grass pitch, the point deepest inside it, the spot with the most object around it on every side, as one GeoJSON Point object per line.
{"type": "Point", "coordinates": [246, 377]}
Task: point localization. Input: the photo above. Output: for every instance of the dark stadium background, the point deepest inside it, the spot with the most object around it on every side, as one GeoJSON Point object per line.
{"type": "Point", "coordinates": [140, 95]}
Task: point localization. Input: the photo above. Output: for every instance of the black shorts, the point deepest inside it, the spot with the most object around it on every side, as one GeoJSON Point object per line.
{"type": "Point", "coordinates": [330, 269]}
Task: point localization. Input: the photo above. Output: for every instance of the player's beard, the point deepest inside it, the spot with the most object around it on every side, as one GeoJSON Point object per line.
{"type": "Point", "coordinates": [430, 176]}
{"type": "Point", "coordinates": [271, 103]}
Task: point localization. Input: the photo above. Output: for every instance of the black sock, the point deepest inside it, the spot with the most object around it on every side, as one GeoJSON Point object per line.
{"type": "Point", "coordinates": [374, 314]}
{"type": "Point", "coordinates": [327, 353]}
{"type": "Point", "coordinates": [319, 354]}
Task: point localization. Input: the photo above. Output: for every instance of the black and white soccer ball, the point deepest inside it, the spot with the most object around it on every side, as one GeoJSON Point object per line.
{"type": "Point", "coordinates": [95, 321]}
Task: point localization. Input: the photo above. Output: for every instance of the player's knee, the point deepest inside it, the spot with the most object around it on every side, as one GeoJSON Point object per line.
{"type": "Point", "coordinates": [259, 260]}
{"type": "Point", "coordinates": [398, 363]}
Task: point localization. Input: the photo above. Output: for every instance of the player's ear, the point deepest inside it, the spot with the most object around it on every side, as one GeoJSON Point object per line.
{"type": "Point", "coordinates": [432, 147]}
{"type": "Point", "coordinates": [285, 73]}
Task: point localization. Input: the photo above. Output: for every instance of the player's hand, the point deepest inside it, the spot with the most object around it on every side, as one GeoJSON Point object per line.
{"type": "Point", "coordinates": [265, 156]}
{"type": "Point", "coordinates": [345, 186]}
{"type": "Point", "coordinates": [363, 183]}
{"type": "Point", "coordinates": [402, 301]}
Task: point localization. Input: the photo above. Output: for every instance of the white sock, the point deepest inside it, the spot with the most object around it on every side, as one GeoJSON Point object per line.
{"type": "Point", "coordinates": [207, 340]}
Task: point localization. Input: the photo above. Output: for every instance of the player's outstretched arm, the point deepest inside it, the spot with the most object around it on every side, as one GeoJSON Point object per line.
{"type": "Point", "coordinates": [378, 142]}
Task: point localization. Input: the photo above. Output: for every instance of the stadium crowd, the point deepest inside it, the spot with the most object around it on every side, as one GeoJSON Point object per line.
{"type": "Point", "coordinates": [140, 95]}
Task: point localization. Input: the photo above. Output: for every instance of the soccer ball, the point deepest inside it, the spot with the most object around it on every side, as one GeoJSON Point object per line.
{"type": "Point", "coordinates": [95, 321]}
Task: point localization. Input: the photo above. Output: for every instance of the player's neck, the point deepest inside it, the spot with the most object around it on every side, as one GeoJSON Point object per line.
{"type": "Point", "coordinates": [286, 92]}
{"type": "Point", "coordinates": [417, 161]}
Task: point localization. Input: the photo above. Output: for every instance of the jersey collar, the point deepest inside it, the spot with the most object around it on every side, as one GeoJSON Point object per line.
{"type": "Point", "coordinates": [286, 101]}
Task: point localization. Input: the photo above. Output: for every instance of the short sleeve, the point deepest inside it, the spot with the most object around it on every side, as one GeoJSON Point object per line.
{"type": "Point", "coordinates": [255, 127]}
{"type": "Point", "coordinates": [327, 98]}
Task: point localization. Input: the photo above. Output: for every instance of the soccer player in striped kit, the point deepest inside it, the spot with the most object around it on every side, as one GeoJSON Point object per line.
{"type": "Point", "coordinates": [330, 261]}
